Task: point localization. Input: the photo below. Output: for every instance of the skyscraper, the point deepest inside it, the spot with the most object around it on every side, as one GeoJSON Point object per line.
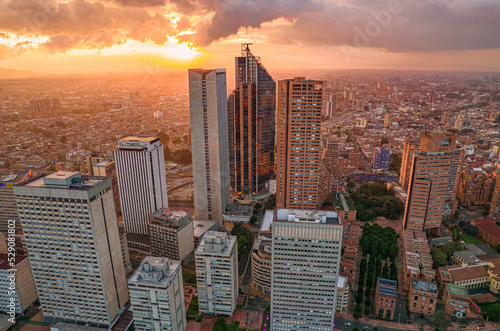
{"type": "Point", "coordinates": [108, 169]}
{"type": "Point", "coordinates": [71, 234]}
{"type": "Point", "coordinates": [251, 109]}
{"type": "Point", "coordinates": [8, 209]}
{"type": "Point", "coordinates": [140, 165]}
{"type": "Point", "coordinates": [410, 148]}
{"type": "Point", "coordinates": [157, 295]}
{"type": "Point", "coordinates": [209, 142]}
{"type": "Point", "coordinates": [216, 260]}
{"type": "Point", "coordinates": [433, 175]}
{"type": "Point", "coordinates": [306, 251]}
{"type": "Point", "coordinates": [300, 173]}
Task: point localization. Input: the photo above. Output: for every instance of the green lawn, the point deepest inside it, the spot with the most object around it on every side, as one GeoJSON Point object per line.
{"type": "Point", "coordinates": [469, 239]}
{"type": "Point", "coordinates": [233, 326]}
{"type": "Point", "coordinates": [193, 307]}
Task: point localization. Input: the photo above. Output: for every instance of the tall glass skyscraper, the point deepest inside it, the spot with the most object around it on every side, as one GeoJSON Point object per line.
{"type": "Point", "coordinates": [251, 108]}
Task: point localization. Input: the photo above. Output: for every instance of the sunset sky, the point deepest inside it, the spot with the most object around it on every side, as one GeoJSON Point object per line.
{"type": "Point", "coordinates": [88, 36]}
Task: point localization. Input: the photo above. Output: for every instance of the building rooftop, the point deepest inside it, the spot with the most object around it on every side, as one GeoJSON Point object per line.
{"type": "Point", "coordinates": [14, 178]}
{"type": "Point", "coordinates": [154, 271]}
{"type": "Point", "coordinates": [387, 287]}
{"type": "Point", "coordinates": [239, 209]}
{"type": "Point", "coordinates": [65, 180]}
{"type": "Point", "coordinates": [102, 163]}
{"type": "Point", "coordinates": [424, 286]}
{"type": "Point", "coordinates": [139, 139]}
{"type": "Point", "coordinates": [341, 281]}
{"type": "Point", "coordinates": [267, 221]}
{"type": "Point", "coordinates": [308, 216]}
{"type": "Point", "coordinates": [216, 243]}
{"type": "Point", "coordinates": [170, 218]}
{"type": "Point", "coordinates": [469, 272]}
{"type": "Point", "coordinates": [457, 290]}
{"type": "Point", "coordinates": [200, 227]}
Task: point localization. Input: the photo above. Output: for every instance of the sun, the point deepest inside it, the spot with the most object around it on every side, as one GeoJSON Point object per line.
{"type": "Point", "coordinates": [181, 52]}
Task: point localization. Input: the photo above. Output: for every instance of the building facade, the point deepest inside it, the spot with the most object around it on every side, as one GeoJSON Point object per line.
{"type": "Point", "coordinates": [142, 182]}
{"type": "Point", "coordinates": [382, 159]}
{"type": "Point", "coordinates": [171, 234]}
{"type": "Point", "coordinates": [261, 264]}
{"type": "Point", "coordinates": [432, 180]}
{"type": "Point", "coordinates": [216, 259]}
{"type": "Point", "coordinates": [251, 117]}
{"type": "Point", "coordinates": [385, 298]}
{"type": "Point", "coordinates": [456, 301]}
{"type": "Point", "coordinates": [8, 209]}
{"type": "Point", "coordinates": [410, 148]}
{"type": "Point", "coordinates": [422, 297]}
{"type": "Point", "coordinates": [71, 234]}
{"type": "Point", "coordinates": [342, 294]}
{"type": "Point", "coordinates": [24, 290]}
{"type": "Point", "coordinates": [306, 251]}
{"type": "Point", "coordinates": [300, 171]}
{"type": "Point", "coordinates": [108, 169]}
{"type": "Point", "coordinates": [475, 187]}
{"type": "Point", "coordinates": [157, 295]}
{"type": "Point", "coordinates": [209, 142]}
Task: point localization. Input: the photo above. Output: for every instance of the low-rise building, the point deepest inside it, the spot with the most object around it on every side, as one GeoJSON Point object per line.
{"type": "Point", "coordinates": [422, 297]}
{"type": "Point", "coordinates": [417, 260]}
{"type": "Point", "coordinates": [469, 256]}
{"type": "Point", "coordinates": [344, 206]}
{"type": "Point", "coordinates": [171, 234]}
{"type": "Point", "coordinates": [456, 301]}
{"type": "Point", "coordinates": [351, 235]}
{"type": "Point", "coordinates": [488, 230]}
{"type": "Point", "coordinates": [472, 276]}
{"type": "Point", "coordinates": [385, 298]}
{"type": "Point", "coordinates": [24, 292]}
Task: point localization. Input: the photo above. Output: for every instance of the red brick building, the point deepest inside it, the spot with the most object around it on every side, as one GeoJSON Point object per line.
{"type": "Point", "coordinates": [385, 298]}
{"type": "Point", "coordinates": [422, 297]}
{"type": "Point", "coordinates": [488, 230]}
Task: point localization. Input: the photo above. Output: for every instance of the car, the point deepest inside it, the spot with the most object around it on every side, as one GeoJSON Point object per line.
{"type": "Point", "coordinates": [347, 324]}
{"type": "Point", "coordinates": [252, 297]}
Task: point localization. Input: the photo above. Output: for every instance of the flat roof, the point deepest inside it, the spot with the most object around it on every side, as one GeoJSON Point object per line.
{"type": "Point", "coordinates": [154, 271]}
{"type": "Point", "coordinates": [311, 215]}
{"type": "Point", "coordinates": [239, 209]}
{"type": "Point", "coordinates": [424, 286]}
{"type": "Point", "coordinates": [459, 290]}
{"type": "Point", "coordinates": [200, 227]}
{"type": "Point", "coordinates": [139, 139]}
{"type": "Point", "coordinates": [387, 287]}
{"type": "Point", "coordinates": [267, 220]}
{"type": "Point", "coordinates": [65, 180]}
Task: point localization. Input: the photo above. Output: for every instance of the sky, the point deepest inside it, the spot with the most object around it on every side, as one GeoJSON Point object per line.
{"type": "Point", "coordinates": [89, 36]}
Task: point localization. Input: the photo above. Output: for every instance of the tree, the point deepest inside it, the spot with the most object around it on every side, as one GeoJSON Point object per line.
{"type": "Point", "coordinates": [395, 163]}
{"type": "Point", "coordinates": [164, 138]}
{"type": "Point", "coordinates": [183, 156]}
{"type": "Point", "coordinates": [220, 324]}
{"type": "Point", "coordinates": [384, 141]}
{"type": "Point", "coordinates": [358, 308]}
{"type": "Point", "coordinates": [498, 248]}
{"type": "Point", "coordinates": [355, 328]}
{"type": "Point", "coordinates": [167, 153]}
{"type": "Point", "coordinates": [367, 311]}
{"type": "Point", "coordinates": [52, 167]}
{"type": "Point", "coordinates": [393, 251]}
{"type": "Point", "coordinates": [253, 220]}
{"type": "Point", "coordinates": [270, 202]}
{"type": "Point", "coordinates": [61, 124]}
{"type": "Point", "coordinates": [64, 139]}
{"type": "Point", "coordinates": [439, 257]}
{"type": "Point", "coordinates": [471, 229]}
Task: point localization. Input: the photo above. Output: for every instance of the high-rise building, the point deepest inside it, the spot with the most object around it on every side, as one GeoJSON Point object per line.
{"type": "Point", "coordinates": [8, 211]}
{"type": "Point", "coordinates": [171, 234]}
{"type": "Point", "coordinates": [251, 110]}
{"type": "Point", "coordinates": [157, 295]}
{"type": "Point", "coordinates": [142, 182]}
{"type": "Point", "coordinates": [382, 159]}
{"type": "Point", "coordinates": [108, 169]}
{"type": "Point", "coordinates": [495, 198]}
{"type": "Point", "coordinates": [306, 252]}
{"type": "Point", "coordinates": [209, 142]}
{"type": "Point", "coordinates": [410, 148]}
{"type": "Point", "coordinates": [432, 181]}
{"type": "Point", "coordinates": [71, 234]}
{"type": "Point", "coordinates": [300, 169]}
{"type": "Point", "coordinates": [217, 273]}
{"type": "Point", "coordinates": [457, 164]}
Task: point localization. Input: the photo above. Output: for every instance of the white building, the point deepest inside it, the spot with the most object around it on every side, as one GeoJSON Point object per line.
{"type": "Point", "coordinates": [72, 238]}
{"type": "Point", "coordinates": [209, 141]}
{"type": "Point", "coordinates": [217, 273]}
{"type": "Point", "coordinates": [140, 166]}
{"type": "Point", "coordinates": [157, 295]}
{"type": "Point", "coordinates": [306, 251]}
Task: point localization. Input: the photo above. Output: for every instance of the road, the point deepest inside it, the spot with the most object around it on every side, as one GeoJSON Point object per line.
{"type": "Point", "coordinates": [340, 325]}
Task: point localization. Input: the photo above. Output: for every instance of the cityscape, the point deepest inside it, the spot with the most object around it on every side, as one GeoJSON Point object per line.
{"type": "Point", "coordinates": [318, 182]}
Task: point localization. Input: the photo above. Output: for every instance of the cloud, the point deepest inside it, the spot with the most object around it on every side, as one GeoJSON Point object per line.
{"type": "Point", "coordinates": [82, 24]}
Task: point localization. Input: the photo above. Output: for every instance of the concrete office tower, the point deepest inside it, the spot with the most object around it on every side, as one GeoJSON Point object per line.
{"type": "Point", "coordinates": [217, 273]}
{"type": "Point", "coordinates": [432, 171]}
{"type": "Point", "coordinates": [251, 110]}
{"type": "Point", "coordinates": [157, 295]}
{"type": "Point", "coordinates": [88, 161]}
{"type": "Point", "coordinates": [299, 167]}
{"type": "Point", "coordinates": [305, 267]}
{"type": "Point", "coordinates": [108, 169]}
{"type": "Point", "coordinates": [71, 233]}
{"type": "Point", "coordinates": [140, 165]}
{"type": "Point", "coordinates": [209, 142]}
{"type": "Point", "coordinates": [24, 291]}
{"type": "Point", "coordinates": [8, 209]}
{"type": "Point", "coordinates": [171, 234]}
{"type": "Point", "coordinates": [410, 148]}
{"type": "Point", "coordinates": [382, 159]}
